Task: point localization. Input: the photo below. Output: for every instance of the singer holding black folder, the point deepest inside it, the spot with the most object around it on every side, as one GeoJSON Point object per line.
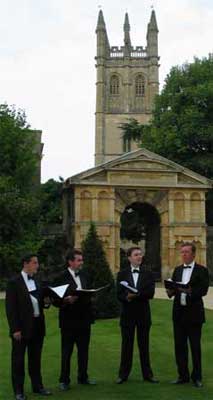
{"type": "Point", "coordinates": [135, 314]}
{"type": "Point", "coordinates": [24, 308]}
{"type": "Point", "coordinates": [75, 318]}
{"type": "Point", "coordinates": [188, 314]}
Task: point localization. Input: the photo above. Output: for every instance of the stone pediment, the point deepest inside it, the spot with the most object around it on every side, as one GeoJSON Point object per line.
{"type": "Point", "coordinates": [141, 164]}
{"type": "Point", "coordinates": [141, 168]}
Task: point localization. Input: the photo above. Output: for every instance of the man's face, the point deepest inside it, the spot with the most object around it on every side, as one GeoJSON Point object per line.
{"type": "Point", "coordinates": [136, 257]}
{"type": "Point", "coordinates": [76, 263]}
{"type": "Point", "coordinates": [186, 254]}
{"type": "Point", "coordinates": [32, 266]}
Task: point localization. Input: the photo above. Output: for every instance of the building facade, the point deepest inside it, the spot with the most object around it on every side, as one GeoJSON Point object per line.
{"type": "Point", "coordinates": [127, 83]}
{"type": "Point", "coordinates": [173, 193]}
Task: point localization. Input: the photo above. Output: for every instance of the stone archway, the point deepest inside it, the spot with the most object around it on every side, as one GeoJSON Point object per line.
{"type": "Point", "coordinates": [140, 225]}
{"type": "Point", "coordinates": [153, 206]}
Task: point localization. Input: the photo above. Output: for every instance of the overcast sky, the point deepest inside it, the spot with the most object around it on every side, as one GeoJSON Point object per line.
{"type": "Point", "coordinates": [47, 66]}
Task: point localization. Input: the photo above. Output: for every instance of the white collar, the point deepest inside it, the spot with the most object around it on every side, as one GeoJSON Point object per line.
{"type": "Point", "coordinates": [135, 267]}
{"type": "Point", "coordinates": [72, 271]}
{"type": "Point", "coordinates": [192, 264]}
{"type": "Point", "coordinates": [24, 274]}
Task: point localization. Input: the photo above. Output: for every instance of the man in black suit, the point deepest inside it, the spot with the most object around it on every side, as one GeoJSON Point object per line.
{"type": "Point", "coordinates": [24, 308]}
{"type": "Point", "coordinates": [188, 314]}
{"type": "Point", "coordinates": [75, 318]}
{"type": "Point", "coordinates": [135, 314]}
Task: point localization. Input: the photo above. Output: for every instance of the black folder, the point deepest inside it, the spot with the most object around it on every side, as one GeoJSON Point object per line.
{"type": "Point", "coordinates": [62, 291]}
{"type": "Point", "coordinates": [170, 284]}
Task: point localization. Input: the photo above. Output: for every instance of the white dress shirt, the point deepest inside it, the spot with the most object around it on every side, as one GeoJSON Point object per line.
{"type": "Point", "coordinates": [31, 286]}
{"type": "Point", "coordinates": [186, 276]}
{"type": "Point", "coordinates": [135, 275]}
{"type": "Point", "coordinates": [76, 278]}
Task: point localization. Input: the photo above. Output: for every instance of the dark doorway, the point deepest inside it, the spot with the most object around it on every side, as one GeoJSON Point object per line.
{"type": "Point", "coordinates": [140, 222]}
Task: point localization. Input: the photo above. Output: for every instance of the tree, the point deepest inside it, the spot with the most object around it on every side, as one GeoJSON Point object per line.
{"type": "Point", "coordinates": [100, 274]}
{"type": "Point", "coordinates": [19, 200]}
{"type": "Point", "coordinates": [54, 245]}
{"type": "Point", "coordinates": [132, 130]}
{"type": "Point", "coordinates": [182, 125]}
{"type": "Point", "coordinates": [51, 201]}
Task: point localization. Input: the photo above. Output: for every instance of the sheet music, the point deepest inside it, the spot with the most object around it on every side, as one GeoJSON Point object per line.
{"type": "Point", "coordinates": [60, 290]}
{"type": "Point", "coordinates": [92, 290]}
{"type": "Point", "coordinates": [126, 285]}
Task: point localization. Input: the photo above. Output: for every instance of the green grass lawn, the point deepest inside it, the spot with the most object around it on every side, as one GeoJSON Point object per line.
{"type": "Point", "coordinates": [104, 362]}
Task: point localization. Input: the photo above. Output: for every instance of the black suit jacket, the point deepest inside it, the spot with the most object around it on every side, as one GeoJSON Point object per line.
{"type": "Point", "coordinates": [136, 312]}
{"type": "Point", "coordinates": [193, 312]}
{"type": "Point", "coordinates": [19, 308]}
{"type": "Point", "coordinates": [79, 314]}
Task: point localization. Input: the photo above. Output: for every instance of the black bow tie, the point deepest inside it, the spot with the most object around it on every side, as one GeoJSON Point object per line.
{"type": "Point", "coordinates": [187, 266]}
{"type": "Point", "coordinates": [30, 277]}
{"type": "Point", "coordinates": [135, 271]}
{"type": "Point", "coordinates": [77, 273]}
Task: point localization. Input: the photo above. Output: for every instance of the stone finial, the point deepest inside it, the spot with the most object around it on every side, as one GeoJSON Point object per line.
{"type": "Point", "coordinates": [153, 22]}
{"type": "Point", "coordinates": [101, 22]}
{"type": "Point", "coordinates": [127, 40]}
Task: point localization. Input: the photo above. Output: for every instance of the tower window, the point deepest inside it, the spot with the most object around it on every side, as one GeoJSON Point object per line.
{"type": "Point", "coordinates": [140, 85]}
{"type": "Point", "coordinates": [126, 145]}
{"type": "Point", "coordinates": [114, 85]}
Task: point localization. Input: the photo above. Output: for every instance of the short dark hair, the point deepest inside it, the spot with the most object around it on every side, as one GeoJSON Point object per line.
{"type": "Point", "coordinates": [27, 257]}
{"type": "Point", "coordinates": [72, 253]}
{"type": "Point", "coordinates": [190, 244]}
{"type": "Point", "coordinates": [131, 249]}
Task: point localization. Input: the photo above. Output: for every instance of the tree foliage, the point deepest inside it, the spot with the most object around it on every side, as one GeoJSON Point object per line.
{"type": "Point", "coordinates": [100, 274]}
{"type": "Point", "coordinates": [132, 130]}
{"type": "Point", "coordinates": [51, 201]}
{"type": "Point", "coordinates": [19, 201]}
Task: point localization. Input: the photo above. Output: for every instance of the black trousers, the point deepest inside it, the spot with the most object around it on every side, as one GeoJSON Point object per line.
{"type": "Point", "coordinates": [182, 334]}
{"type": "Point", "coordinates": [81, 337]}
{"type": "Point", "coordinates": [127, 345]}
{"type": "Point", "coordinates": [34, 349]}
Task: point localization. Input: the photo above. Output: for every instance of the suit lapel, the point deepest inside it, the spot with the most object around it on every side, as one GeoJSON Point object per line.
{"type": "Point", "coordinates": [83, 280]}
{"type": "Point", "coordinates": [23, 285]}
{"type": "Point", "coordinates": [140, 276]}
{"type": "Point", "coordinates": [70, 280]}
{"type": "Point", "coordinates": [179, 274]}
{"type": "Point", "coordinates": [130, 277]}
{"type": "Point", "coordinates": [24, 290]}
{"type": "Point", "coordinates": [194, 272]}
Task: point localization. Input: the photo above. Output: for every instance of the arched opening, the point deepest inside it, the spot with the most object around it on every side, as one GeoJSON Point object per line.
{"type": "Point", "coordinates": [114, 85]}
{"type": "Point", "coordinates": [140, 225]}
{"type": "Point", "coordinates": [139, 86]}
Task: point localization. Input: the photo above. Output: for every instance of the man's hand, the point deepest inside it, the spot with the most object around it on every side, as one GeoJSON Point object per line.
{"type": "Point", "coordinates": [70, 299]}
{"type": "Point", "coordinates": [187, 291]}
{"type": "Point", "coordinates": [17, 336]}
{"type": "Point", "coordinates": [170, 292]}
{"type": "Point", "coordinates": [47, 301]}
{"type": "Point", "coordinates": [131, 296]}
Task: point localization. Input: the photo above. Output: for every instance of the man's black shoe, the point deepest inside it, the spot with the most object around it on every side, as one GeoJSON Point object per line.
{"type": "Point", "coordinates": [20, 397]}
{"type": "Point", "coordinates": [180, 381]}
{"type": "Point", "coordinates": [87, 382]}
{"type": "Point", "coordinates": [198, 384]}
{"type": "Point", "coordinates": [121, 380]}
{"type": "Point", "coordinates": [42, 392]}
{"type": "Point", "coordinates": [151, 379]}
{"type": "Point", "coordinates": [64, 387]}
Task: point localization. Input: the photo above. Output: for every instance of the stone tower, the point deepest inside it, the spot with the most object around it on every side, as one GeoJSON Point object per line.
{"type": "Point", "coordinates": [127, 82]}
